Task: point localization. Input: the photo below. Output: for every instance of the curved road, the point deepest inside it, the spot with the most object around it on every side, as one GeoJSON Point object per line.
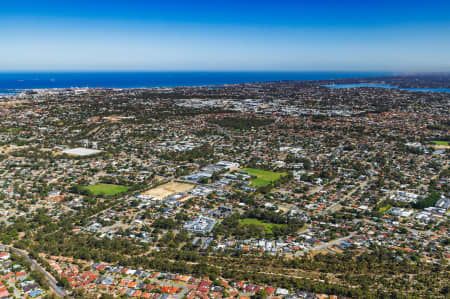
{"type": "Point", "coordinates": [35, 266]}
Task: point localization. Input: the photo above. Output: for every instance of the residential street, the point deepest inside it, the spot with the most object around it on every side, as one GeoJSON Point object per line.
{"type": "Point", "coordinates": [35, 266]}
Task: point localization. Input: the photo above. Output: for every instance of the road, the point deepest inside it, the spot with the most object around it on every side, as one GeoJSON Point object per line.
{"type": "Point", "coordinates": [35, 266]}
{"type": "Point", "coordinates": [331, 243]}
{"type": "Point", "coordinates": [61, 292]}
{"type": "Point", "coordinates": [345, 197]}
{"type": "Point", "coordinates": [428, 233]}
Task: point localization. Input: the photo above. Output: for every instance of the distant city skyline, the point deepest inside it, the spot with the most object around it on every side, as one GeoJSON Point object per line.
{"type": "Point", "coordinates": [408, 36]}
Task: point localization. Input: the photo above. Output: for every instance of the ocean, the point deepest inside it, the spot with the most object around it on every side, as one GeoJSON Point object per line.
{"type": "Point", "coordinates": [13, 82]}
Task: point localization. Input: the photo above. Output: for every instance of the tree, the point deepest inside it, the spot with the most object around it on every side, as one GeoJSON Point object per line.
{"type": "Point", "coordinates": [65, 283]}
{"type": "Point", "coordinates": [261, 294]}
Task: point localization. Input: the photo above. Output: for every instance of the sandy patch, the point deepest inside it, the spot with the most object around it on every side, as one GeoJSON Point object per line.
{"type": "Point", "coordinates": [440, 146]}
{"type": "Point", "coordinates": [169, 189]}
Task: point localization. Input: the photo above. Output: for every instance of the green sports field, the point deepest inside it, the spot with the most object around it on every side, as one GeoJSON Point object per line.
{"type": "Point", "coordinates": [440, 142]}
{"type": "Point", "coordinates": [106, 189]}
{"type": "Point", "coordinates": [263, 177]}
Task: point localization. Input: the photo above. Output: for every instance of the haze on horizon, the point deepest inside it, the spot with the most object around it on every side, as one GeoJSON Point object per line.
{"type": "Point", "coordinates": [225, 35]}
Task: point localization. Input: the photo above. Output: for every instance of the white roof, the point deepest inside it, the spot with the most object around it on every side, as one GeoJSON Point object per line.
{"type": "Point", "coordinates": [80, 151]}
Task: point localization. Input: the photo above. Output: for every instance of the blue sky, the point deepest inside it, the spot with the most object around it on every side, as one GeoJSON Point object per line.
{"type": "Point", "coordinates": [375, 35]}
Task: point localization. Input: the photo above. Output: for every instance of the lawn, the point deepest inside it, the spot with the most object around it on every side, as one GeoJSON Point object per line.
{"type": "Point", "coordinates": [14, 130]}
{"type": "Point", "coordinates": [263, 177]}
{"type": "Point", "coordinates": [440, 142]}
{"type": "Point", "coordinates": [267, 226]}
{"type": "Point", "coordinates": [384, 209]}
{"type": "Point", "coordinates": [106, 189]}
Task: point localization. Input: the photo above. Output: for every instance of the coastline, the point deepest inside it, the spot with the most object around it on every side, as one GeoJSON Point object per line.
{"type": "Point", "coordinates": [70, 82]}
{"type": "Point", "coordinates": [63, 80]}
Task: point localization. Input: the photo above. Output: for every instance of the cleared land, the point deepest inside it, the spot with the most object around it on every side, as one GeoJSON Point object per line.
{"type": "Point", "coordinates": [107, 189]}
{"type": "Point", "coordinates": [263, 177]}
{"type": "Point", "coordinates": [7, 149]}
{"type": "Point", "coordinates": [267, 226]}
{"type": "Point", "coordinates": [441, 145]}
{"type": "Point", "coordinates": [169, 189]}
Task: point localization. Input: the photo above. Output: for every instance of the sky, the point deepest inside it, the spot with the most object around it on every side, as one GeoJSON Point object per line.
{"type": "Point", "coordinates": [228, 35]}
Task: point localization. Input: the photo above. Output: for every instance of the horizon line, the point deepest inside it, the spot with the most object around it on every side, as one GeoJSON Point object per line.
{"type": "Point", "coordinates": [213, 71]}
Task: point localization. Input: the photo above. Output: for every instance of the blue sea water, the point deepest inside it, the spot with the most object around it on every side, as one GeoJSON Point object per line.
{"type": "Point", "coordinates": [358, 85]}
{"type": "Point", "coordinates": [11, 82]}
